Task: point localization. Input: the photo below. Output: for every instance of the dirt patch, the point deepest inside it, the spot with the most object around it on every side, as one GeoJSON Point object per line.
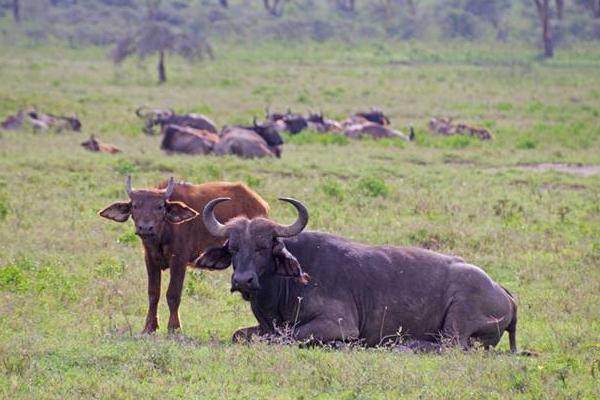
{"type": "Point", "coordinates": [576, 169]}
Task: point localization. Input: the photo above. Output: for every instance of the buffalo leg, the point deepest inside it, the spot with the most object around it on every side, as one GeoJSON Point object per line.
{"type": "Point", "coordinates": [153, 298]}
{"type": "Point", "coordinates": [326, 330]}
{"type": "Point", "coordinates": [244, 335]}
{"type": "Point", "coordinates": [174, 294]}
{"type": "Point", "coordinates": [456, 327]}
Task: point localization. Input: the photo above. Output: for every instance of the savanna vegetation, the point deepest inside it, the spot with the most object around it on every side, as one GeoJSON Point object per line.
{"type": "Point", "coordinates": [73, 286]}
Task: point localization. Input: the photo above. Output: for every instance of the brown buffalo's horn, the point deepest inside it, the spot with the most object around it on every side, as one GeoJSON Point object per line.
{"type": "Point", "coordinates": [138, 112]}
{"type": "Point", "coordinates": [213, 226]}
{"type": "Point", "coordinates": [296, 227]}
{"type": "Point", "coordinates": [169, 189]}
{"type": "Point", "coordinates": [254, 123]}
{"type": "Point", "coordinates": [128, 185]}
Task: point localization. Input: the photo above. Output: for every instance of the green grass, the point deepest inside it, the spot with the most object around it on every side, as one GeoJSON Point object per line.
{"type": "Point", "coordinates": [72, 285]}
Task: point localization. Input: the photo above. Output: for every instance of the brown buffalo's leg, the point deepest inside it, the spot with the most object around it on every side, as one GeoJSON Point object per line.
{"type": "Point", "coordinates": [153, 297]}
{"type": "Point", "coordinates": [174, 293]}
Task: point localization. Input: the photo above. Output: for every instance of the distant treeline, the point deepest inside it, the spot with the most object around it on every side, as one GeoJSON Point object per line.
{"type": "Point", "coordinates": [100, 22]}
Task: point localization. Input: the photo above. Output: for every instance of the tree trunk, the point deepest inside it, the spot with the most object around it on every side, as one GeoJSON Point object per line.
{"type": "Point", "coordinates": [16, 11]}
{"type": "Point", "coordinates": [162, 72]}
{"type": "Point", "coordinates": [543, 8]}
{"type": "Point", "coordinates": [411, 7]}
{"type": "Point", "coordinates": [224, 3]}
{"type": "Point", "coordinates": [560, 7]}
{"type": "Point", "coordinates": [596, 8]}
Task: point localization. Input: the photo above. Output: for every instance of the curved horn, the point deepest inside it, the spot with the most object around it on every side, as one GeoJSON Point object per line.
{"type": "Point", "coordinates": [321, 113]}
{"type": "Point", "coordinates": [254, 122]}
{"type": "Point", "coordinates": [128, 185]}
{"type": "Point", "coordinates": [169, 189]}
{"type": "Point", "coordinates": [171, 112]}
{"type": "Point", "coordinates": [138, 112]}
{"type": "Point", "coordinates": [213, 226]}
{"type": "Point", "coordinates": [296, 227]}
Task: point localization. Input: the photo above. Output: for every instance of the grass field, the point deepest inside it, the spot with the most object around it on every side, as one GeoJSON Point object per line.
{"type": "Point", "coordinates": [72, 285]}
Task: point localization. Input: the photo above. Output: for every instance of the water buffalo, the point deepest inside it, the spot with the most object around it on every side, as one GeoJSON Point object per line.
{"type": "Point", "coordinates": [182, 139]}
{"type": "Point", "coordinates": [374, 115]}
{"type": "Point", "coordinates": [93, 144]}
{"type": "Point", "coordinates": [43, 121]}
{"type": "Point", "coordinates": [446, 126]}
{"type": "Point", "coordinates": [245, 143]}
{"type": "Point", "coordinates": [172, 236]}
{"type": "Point", "coordinates": [317, 122]}
{"type": "Point", "coordinates": [288, 122]}
{"type": "Point", "coordinates": [13, 122]}
{"type": "Point", "coordinates": [374, 130]}
{"type": "Point", "coordinates": [328, 288]}
{"type": "Point", "coordinates": [162, 118]}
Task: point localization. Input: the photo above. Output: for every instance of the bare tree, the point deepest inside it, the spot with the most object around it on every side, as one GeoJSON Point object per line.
{"type": "Point", "coordinates": [224, 3]}
{"type": "Point", "coordinates": [155, 38]}
{"type": "Point", "coordinates": [595, 6]}
{"type": "Point", "coordinates": [543, 10]}
{"type": "Point", "coordinates": [16, 6]}
{"type": "Point", "coordinates": [346, 5]}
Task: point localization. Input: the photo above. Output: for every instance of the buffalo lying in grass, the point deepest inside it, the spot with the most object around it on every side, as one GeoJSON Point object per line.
{"type": "Point", "coordinates": [183, 139]}
{"type": "Point", "coordinates": [327, 288]}
{"type": "Point", "coordinates": [163, 118]}
{"type": "Point", "coordinates": [93, 144]}
{"type": "Point", "coordinates": [446, 126]}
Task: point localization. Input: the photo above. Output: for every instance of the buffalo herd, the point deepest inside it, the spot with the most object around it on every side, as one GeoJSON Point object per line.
{"type": "Point", "coordinates": [197, 134]}
{"type": "Point", "coordinates": [309, 286]}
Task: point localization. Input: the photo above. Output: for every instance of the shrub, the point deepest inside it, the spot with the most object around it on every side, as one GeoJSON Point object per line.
{"type": "Point", "coordinates": [373, 187]}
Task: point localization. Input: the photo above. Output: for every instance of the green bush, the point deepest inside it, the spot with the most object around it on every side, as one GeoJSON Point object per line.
{"type": "Point", "coordinates": [373, 187]}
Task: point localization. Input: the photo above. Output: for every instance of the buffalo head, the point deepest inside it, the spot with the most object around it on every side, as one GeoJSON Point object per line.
{"type": "Point", "coordinates": [150, 210]}
{"type": "Point", "coordinates": [254, 246]}
{"type": "Point", "coordinates": [153, 117]}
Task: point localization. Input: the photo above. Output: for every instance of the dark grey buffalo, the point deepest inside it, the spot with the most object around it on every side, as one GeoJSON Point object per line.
{"type": "Point", "coordinates": [183, 139]}
{"type": "Point", "coordinates": [373, 115]}
{"type": "Point", "coordinates": [245, 143]}
{"type": "Point", "coordinates": [328, 288]}
{"type": "Point", "coordinates": [288, 122]}
{"type": "Point", "coordinates": [162, 118]}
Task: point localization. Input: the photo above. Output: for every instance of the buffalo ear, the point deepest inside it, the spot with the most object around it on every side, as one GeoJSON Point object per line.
{"type": "Point", "coordinates": [119, 211]}
{"type": "Point", "coordinates": [178, 212]}
{"type": "Point", "coordinates": [286, 264]}
{"type": "Point", "coordinates": [214, 258]}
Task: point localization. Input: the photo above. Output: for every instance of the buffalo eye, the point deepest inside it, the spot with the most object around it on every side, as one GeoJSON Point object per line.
{"type": "Point", "coordinates": [160, 207]}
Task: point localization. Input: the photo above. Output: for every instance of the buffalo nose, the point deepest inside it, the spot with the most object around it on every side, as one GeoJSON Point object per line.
{"type": "Point", "coordinates": [145, 229]}
{"type": "Point", "coordinates": [247, 280]}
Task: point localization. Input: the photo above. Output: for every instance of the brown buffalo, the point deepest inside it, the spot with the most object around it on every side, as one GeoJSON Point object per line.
{"type": "Point", "coordinates": [183, 139]}
{"type": "Point", "coordinates": [446, 126]}
{"type": "Point", "coordinates": [172, 236]}
{"type": "Point", "coordinates": [93, 144]}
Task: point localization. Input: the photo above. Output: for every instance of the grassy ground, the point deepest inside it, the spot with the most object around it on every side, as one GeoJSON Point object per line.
{"type": "Point", "coordinates": [72, 286]}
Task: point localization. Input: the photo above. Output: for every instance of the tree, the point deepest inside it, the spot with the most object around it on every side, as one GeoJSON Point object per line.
{"type": "Point", "coordinates": [16, 11]}
{"type": "Point", "coordinates": [544, 13]}
{"type": "Point", "coordinates": [158, 38]}
{"type": "Point", "coordinates": [274, 7]}
{"type": "Point", "coordinates": [346, 5]}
